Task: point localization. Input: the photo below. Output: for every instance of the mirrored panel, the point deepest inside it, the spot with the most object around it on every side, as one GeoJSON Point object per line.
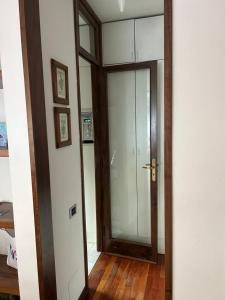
{"type": "Point", "coordinates": [87, 35]}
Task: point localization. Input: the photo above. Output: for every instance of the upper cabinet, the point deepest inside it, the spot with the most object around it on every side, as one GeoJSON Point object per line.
{"type": "Point", "coordinates": [133, 41]}
{"type": "Point", "coordinates": [118, 42]}
{"type": "Point", "coordinates": [149, 38]}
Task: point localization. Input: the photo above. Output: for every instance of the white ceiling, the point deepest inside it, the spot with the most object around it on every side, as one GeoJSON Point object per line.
{"type": "Point", "coordinates": [108, 10]}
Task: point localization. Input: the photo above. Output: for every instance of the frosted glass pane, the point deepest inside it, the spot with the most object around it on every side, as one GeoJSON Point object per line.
{"type": "Point", "coordinates": [129, 138]}
{"type": "Point", "coordinates": [87, 35]}
{"type": "Point", "coordinates": [121, 111]}
{"type": "Point", "coordinates": [143, 154]}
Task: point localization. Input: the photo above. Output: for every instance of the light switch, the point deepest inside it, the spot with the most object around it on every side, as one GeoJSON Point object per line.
{"type": "Point", "coordinates": [72, 211]}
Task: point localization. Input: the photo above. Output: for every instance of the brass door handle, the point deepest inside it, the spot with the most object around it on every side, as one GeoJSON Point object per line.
{"type": "Point", "coordinates": [147, 166]}
{"type": "Point", "coordinates": [153, 168]}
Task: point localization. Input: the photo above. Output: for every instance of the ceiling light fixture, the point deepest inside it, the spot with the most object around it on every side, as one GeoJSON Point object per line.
{"type": "Point", "coordinates": [121, 5]}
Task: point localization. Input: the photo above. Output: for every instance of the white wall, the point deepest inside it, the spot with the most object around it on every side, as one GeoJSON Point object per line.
{"type": "Point", "coordinates": [5, 184]}
{"type": "Point", "coordinates": [15, 105]}
{"type": "Point", "coordinates": [58, 42]}
{"type": "Point", "coordinates": [199, 149]}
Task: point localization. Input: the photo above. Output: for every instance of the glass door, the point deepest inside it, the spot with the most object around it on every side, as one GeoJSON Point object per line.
{"type": "Point", "coordinates": [132, 162]}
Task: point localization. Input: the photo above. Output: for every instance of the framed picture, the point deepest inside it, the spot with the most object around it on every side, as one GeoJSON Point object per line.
{"type": "Point", "coordinates": [60, 83]}
{"type": "Point", "coordinates": [3, 136]}
{"type": "Point", "coordinates": [62, 127]}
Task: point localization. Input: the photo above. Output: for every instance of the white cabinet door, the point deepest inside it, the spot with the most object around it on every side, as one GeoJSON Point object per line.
{"type": "Point", "coordinates": [149, 38]}
{"type": "Point", "coordinates": [118, 42]}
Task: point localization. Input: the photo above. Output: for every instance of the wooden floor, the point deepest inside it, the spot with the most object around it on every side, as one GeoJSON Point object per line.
{"type": "Point", "coordinates": [116, 278]}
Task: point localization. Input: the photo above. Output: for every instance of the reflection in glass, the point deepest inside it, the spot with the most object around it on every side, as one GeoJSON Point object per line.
{"type": "Point", "coordinates": [87, 35]}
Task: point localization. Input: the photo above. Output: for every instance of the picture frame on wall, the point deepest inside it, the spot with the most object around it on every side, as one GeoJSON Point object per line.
{"type": "Point", "coordinates": [62, 120]}
{"type": "Point", "coordinates": [60, 82]}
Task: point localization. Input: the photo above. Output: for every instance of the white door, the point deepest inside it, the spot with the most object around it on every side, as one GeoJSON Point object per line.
{"type": "Point", "coordinates": [149, 38]}
{"type": "Point", "coordinates": [118, 42]}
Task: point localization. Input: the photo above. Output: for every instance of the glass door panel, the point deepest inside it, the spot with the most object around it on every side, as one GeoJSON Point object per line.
{"type": "Point", "coordinates": [87, 35]}
{"type": "Point", "coordinates": [129, 153]}
{"type": "Point", "coordinates": [143, 121]}
{"type": "Point", "coordinates": [122, 145]}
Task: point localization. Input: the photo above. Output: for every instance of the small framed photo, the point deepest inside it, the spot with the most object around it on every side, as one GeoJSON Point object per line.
{"type": "Point", "coordinates": [62, 127]}
{"type": "Point", "coordinates": [60, 82]}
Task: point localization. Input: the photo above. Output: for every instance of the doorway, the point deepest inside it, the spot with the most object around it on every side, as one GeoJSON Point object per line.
{"type": "Point", "coordinates": [88, 152]}
{"type": "Point", "coordinates": [129, 41]}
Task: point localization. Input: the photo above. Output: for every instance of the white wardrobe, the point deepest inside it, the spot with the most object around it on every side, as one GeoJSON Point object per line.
{"type": "Point", "coordinates": [133, 41]}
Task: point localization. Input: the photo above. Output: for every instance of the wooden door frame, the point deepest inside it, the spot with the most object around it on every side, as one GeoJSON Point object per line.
{"type": "Point", "coordinates": [95, 65]}
{"type": "Point", "coordinates": [31, 43]}
{"type": "Point", "coordinates": [116, 246]}
{"type": "Point", "coordinates": [38, 144]}
{"type": "Point", "coordinates": [168, 151]}
{"type": "Point", "coordinates": [32, 52]}
{"type": "Point", "coordinates": [168, 94]}
{"type": "Point", "coordinates": [86, 10]}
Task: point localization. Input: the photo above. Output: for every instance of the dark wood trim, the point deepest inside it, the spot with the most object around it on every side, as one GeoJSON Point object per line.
{"type": "Point", "coordinates": [88, 13]}
{"type": "Point", "coordinates": [84, 54]}
{"type": "Point", "coordinates": [91, 11]}
{"type": "Point", "coordinates": [77, 46]}
{"type": "Point", "coordinates": [96, 103]}
{"type": "Point", "coordinates": [112, 245]}
{"type": "Point", "coordinates": [57, 112]}
{"type": "Point", "coordinates": [95, 90]}
{"type": "Point", "coordinates": [138, 18]}
{"type": "Point", "coordinates": [37, 130]}
{"type": "Point", "coordinates": [161, 259]}
{"type": "Point", "coordinates": [84, 294]}
{"type": "Point", "coordinates": [130, 67]}
{"type": "Point", "coordinates": [154, 155]}
{"type": "Point", "coordinates": [168, 150]}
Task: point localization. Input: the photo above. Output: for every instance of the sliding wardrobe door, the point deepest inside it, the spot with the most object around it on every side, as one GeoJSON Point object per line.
{"type": "Point", "coordinates": [130, 214]}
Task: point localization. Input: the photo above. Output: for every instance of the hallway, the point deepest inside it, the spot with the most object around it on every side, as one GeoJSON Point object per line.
{"type": "Point", "coordinates": [116, 278]}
